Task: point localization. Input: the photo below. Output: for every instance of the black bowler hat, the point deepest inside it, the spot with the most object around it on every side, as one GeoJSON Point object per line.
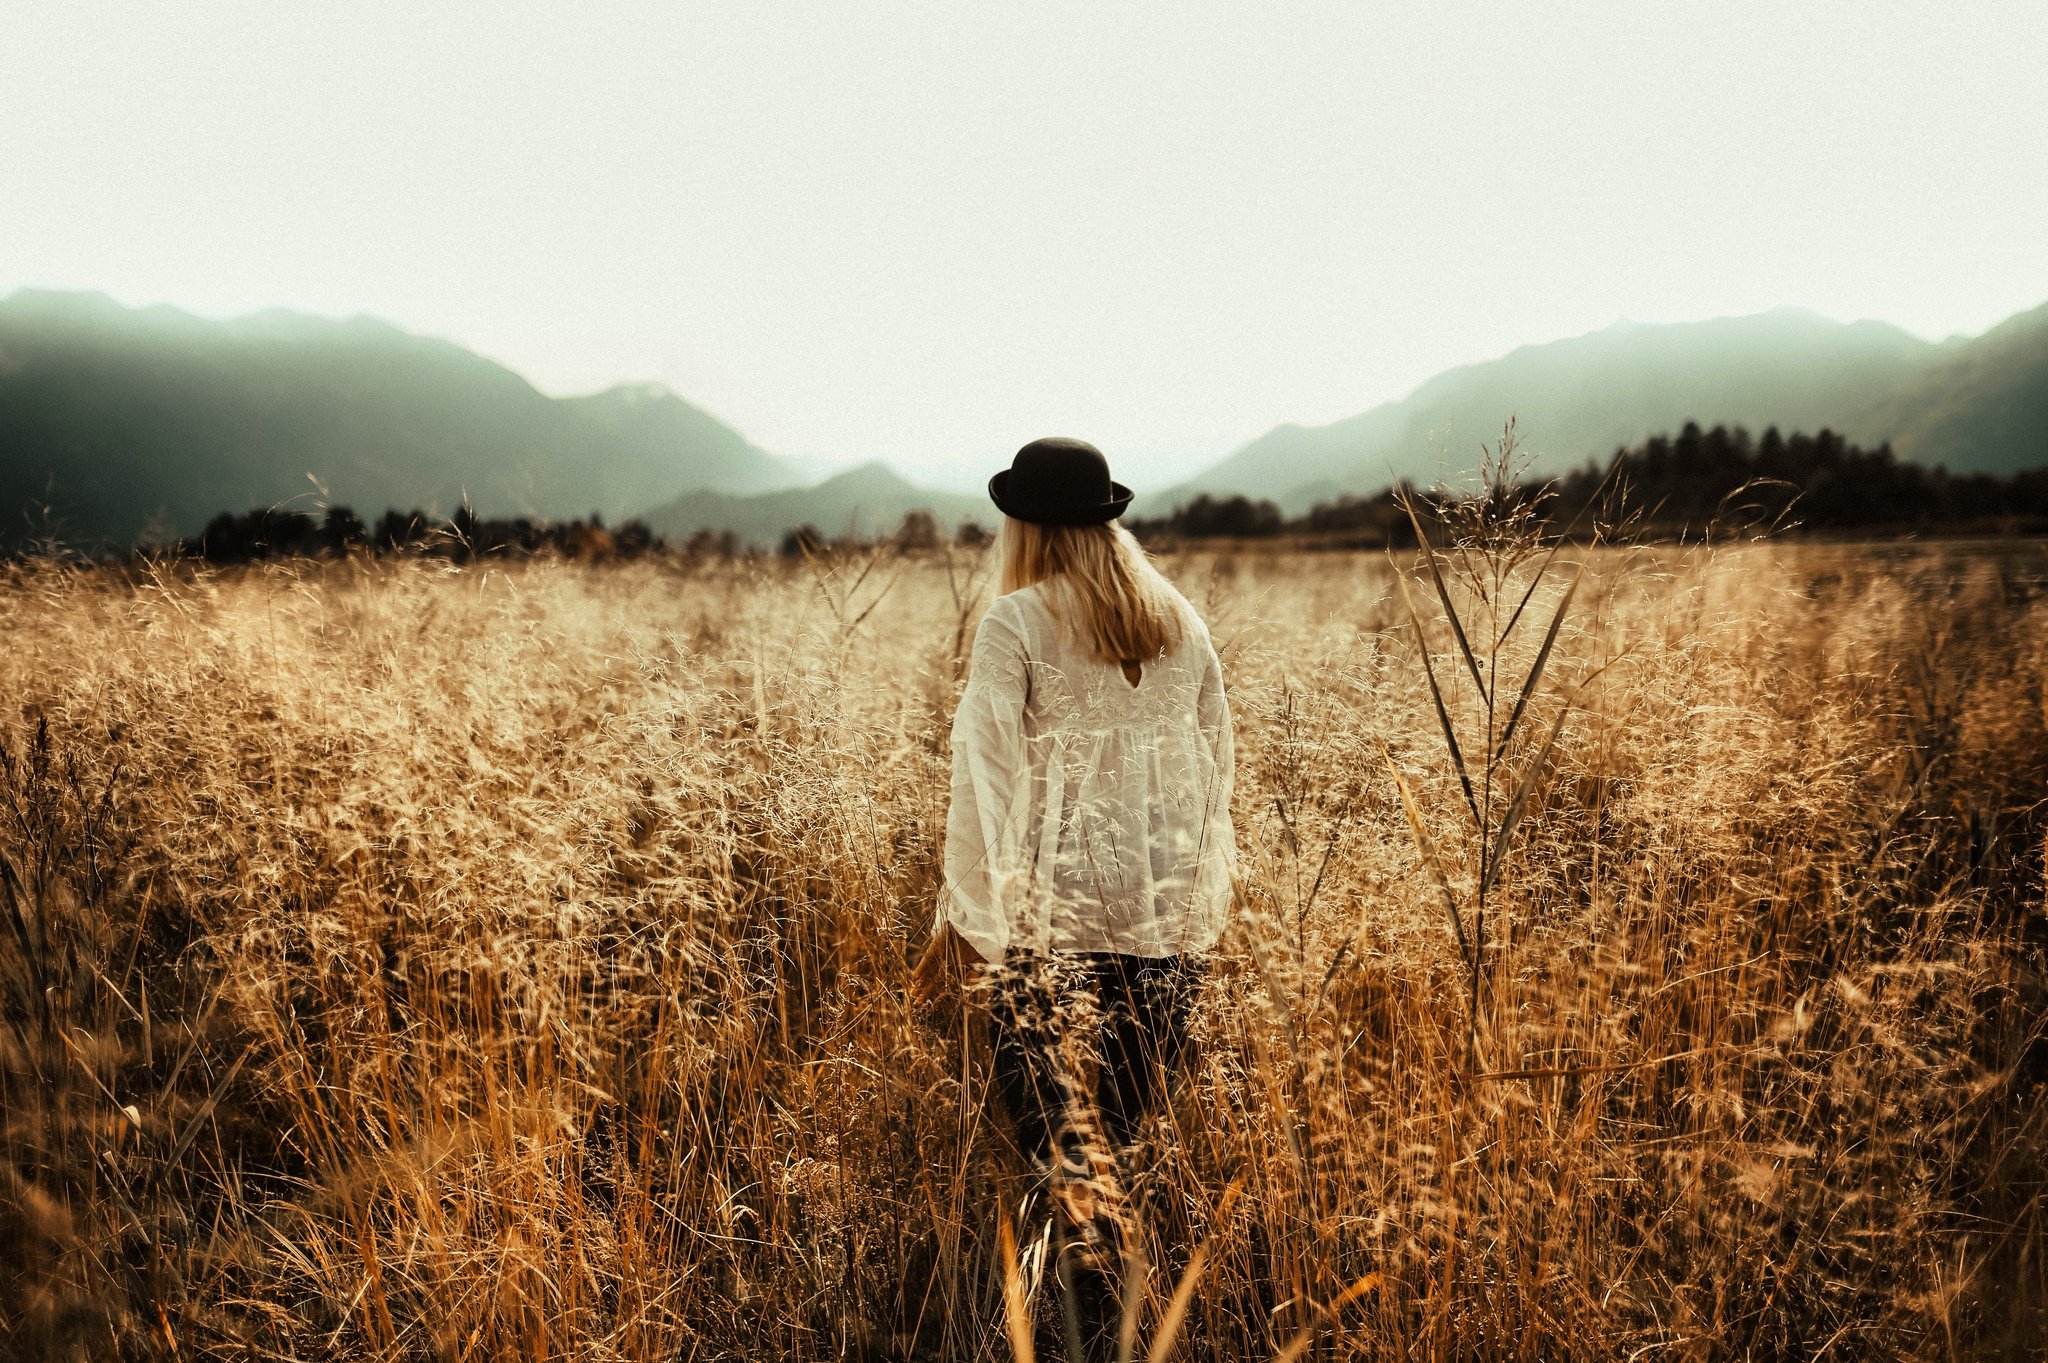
{"type": "Point", "coordinates": [1059, 481]}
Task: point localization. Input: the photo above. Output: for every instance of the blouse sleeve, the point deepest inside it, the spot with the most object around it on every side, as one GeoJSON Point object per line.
{"type": "Point", "coordinates": [1213, 714]}
{"type": "Point", "coordinates": [984, 825]}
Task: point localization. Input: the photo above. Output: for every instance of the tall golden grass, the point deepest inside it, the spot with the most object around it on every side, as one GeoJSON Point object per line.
{"type": "Point", "coordinates": [508, 962]}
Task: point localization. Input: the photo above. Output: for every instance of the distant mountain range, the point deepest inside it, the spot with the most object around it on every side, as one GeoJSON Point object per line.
{"type": "Point", "coordinates": [131, 422]}
{"type": "Point", "coordinates": [128, 423]}
{"type": "Point", "coordinates": [869, 500]}
{"type": "Point", "coordinates": [1978, 405]}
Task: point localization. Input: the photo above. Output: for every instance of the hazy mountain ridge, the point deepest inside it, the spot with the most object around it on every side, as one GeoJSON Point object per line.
{"type": "Point", "coordinates": [1980, 405]}
{"type": "Point", "coordinates": [868, 500]}
{"type": "Point", "coordinates": [132, 420]}
{"type": "Point", "coordinates": [1972, 404]}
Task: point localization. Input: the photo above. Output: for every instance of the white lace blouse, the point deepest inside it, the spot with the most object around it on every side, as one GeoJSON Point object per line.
{"type": "Point", "coordinates": [1087, 814]}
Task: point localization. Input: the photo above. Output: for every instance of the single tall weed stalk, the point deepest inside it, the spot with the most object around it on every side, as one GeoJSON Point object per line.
{"type": "Point", "coordinates": [1499, 556]}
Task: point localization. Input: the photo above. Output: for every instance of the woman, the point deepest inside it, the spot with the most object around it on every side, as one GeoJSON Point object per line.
{"type": "Point", "coordinates": [1089, 848]}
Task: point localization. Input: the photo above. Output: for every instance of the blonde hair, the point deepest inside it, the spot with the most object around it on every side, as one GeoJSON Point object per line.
{"type": "Point", "coordinates": [1099, 583]}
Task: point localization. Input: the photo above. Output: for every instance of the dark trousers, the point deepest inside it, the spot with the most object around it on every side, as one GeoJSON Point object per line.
{"type": "Point", "coordinates": [1081, 1038]}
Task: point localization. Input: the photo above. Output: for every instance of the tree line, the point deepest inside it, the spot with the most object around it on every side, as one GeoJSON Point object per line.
{"type": "Point", "coordinates": [1697, 483]}
{"type": "Point", "coordinates": [1689, 485]}
{"type": "Point", "coordinates": [280, 532]}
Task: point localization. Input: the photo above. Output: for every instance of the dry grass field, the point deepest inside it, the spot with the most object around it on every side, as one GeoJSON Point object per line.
{"type": "Point", "coordinates": [405, 960]}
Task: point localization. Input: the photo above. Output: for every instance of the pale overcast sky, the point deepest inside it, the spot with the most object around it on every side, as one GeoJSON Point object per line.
{"type": "Point", "coordinates": [931, 232]}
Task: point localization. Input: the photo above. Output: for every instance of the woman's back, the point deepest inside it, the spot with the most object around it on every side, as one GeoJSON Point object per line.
{"type": "Point", "coordinates": [1089, 813]}
{"type": "Point", "coordinates": [1076, 690]}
